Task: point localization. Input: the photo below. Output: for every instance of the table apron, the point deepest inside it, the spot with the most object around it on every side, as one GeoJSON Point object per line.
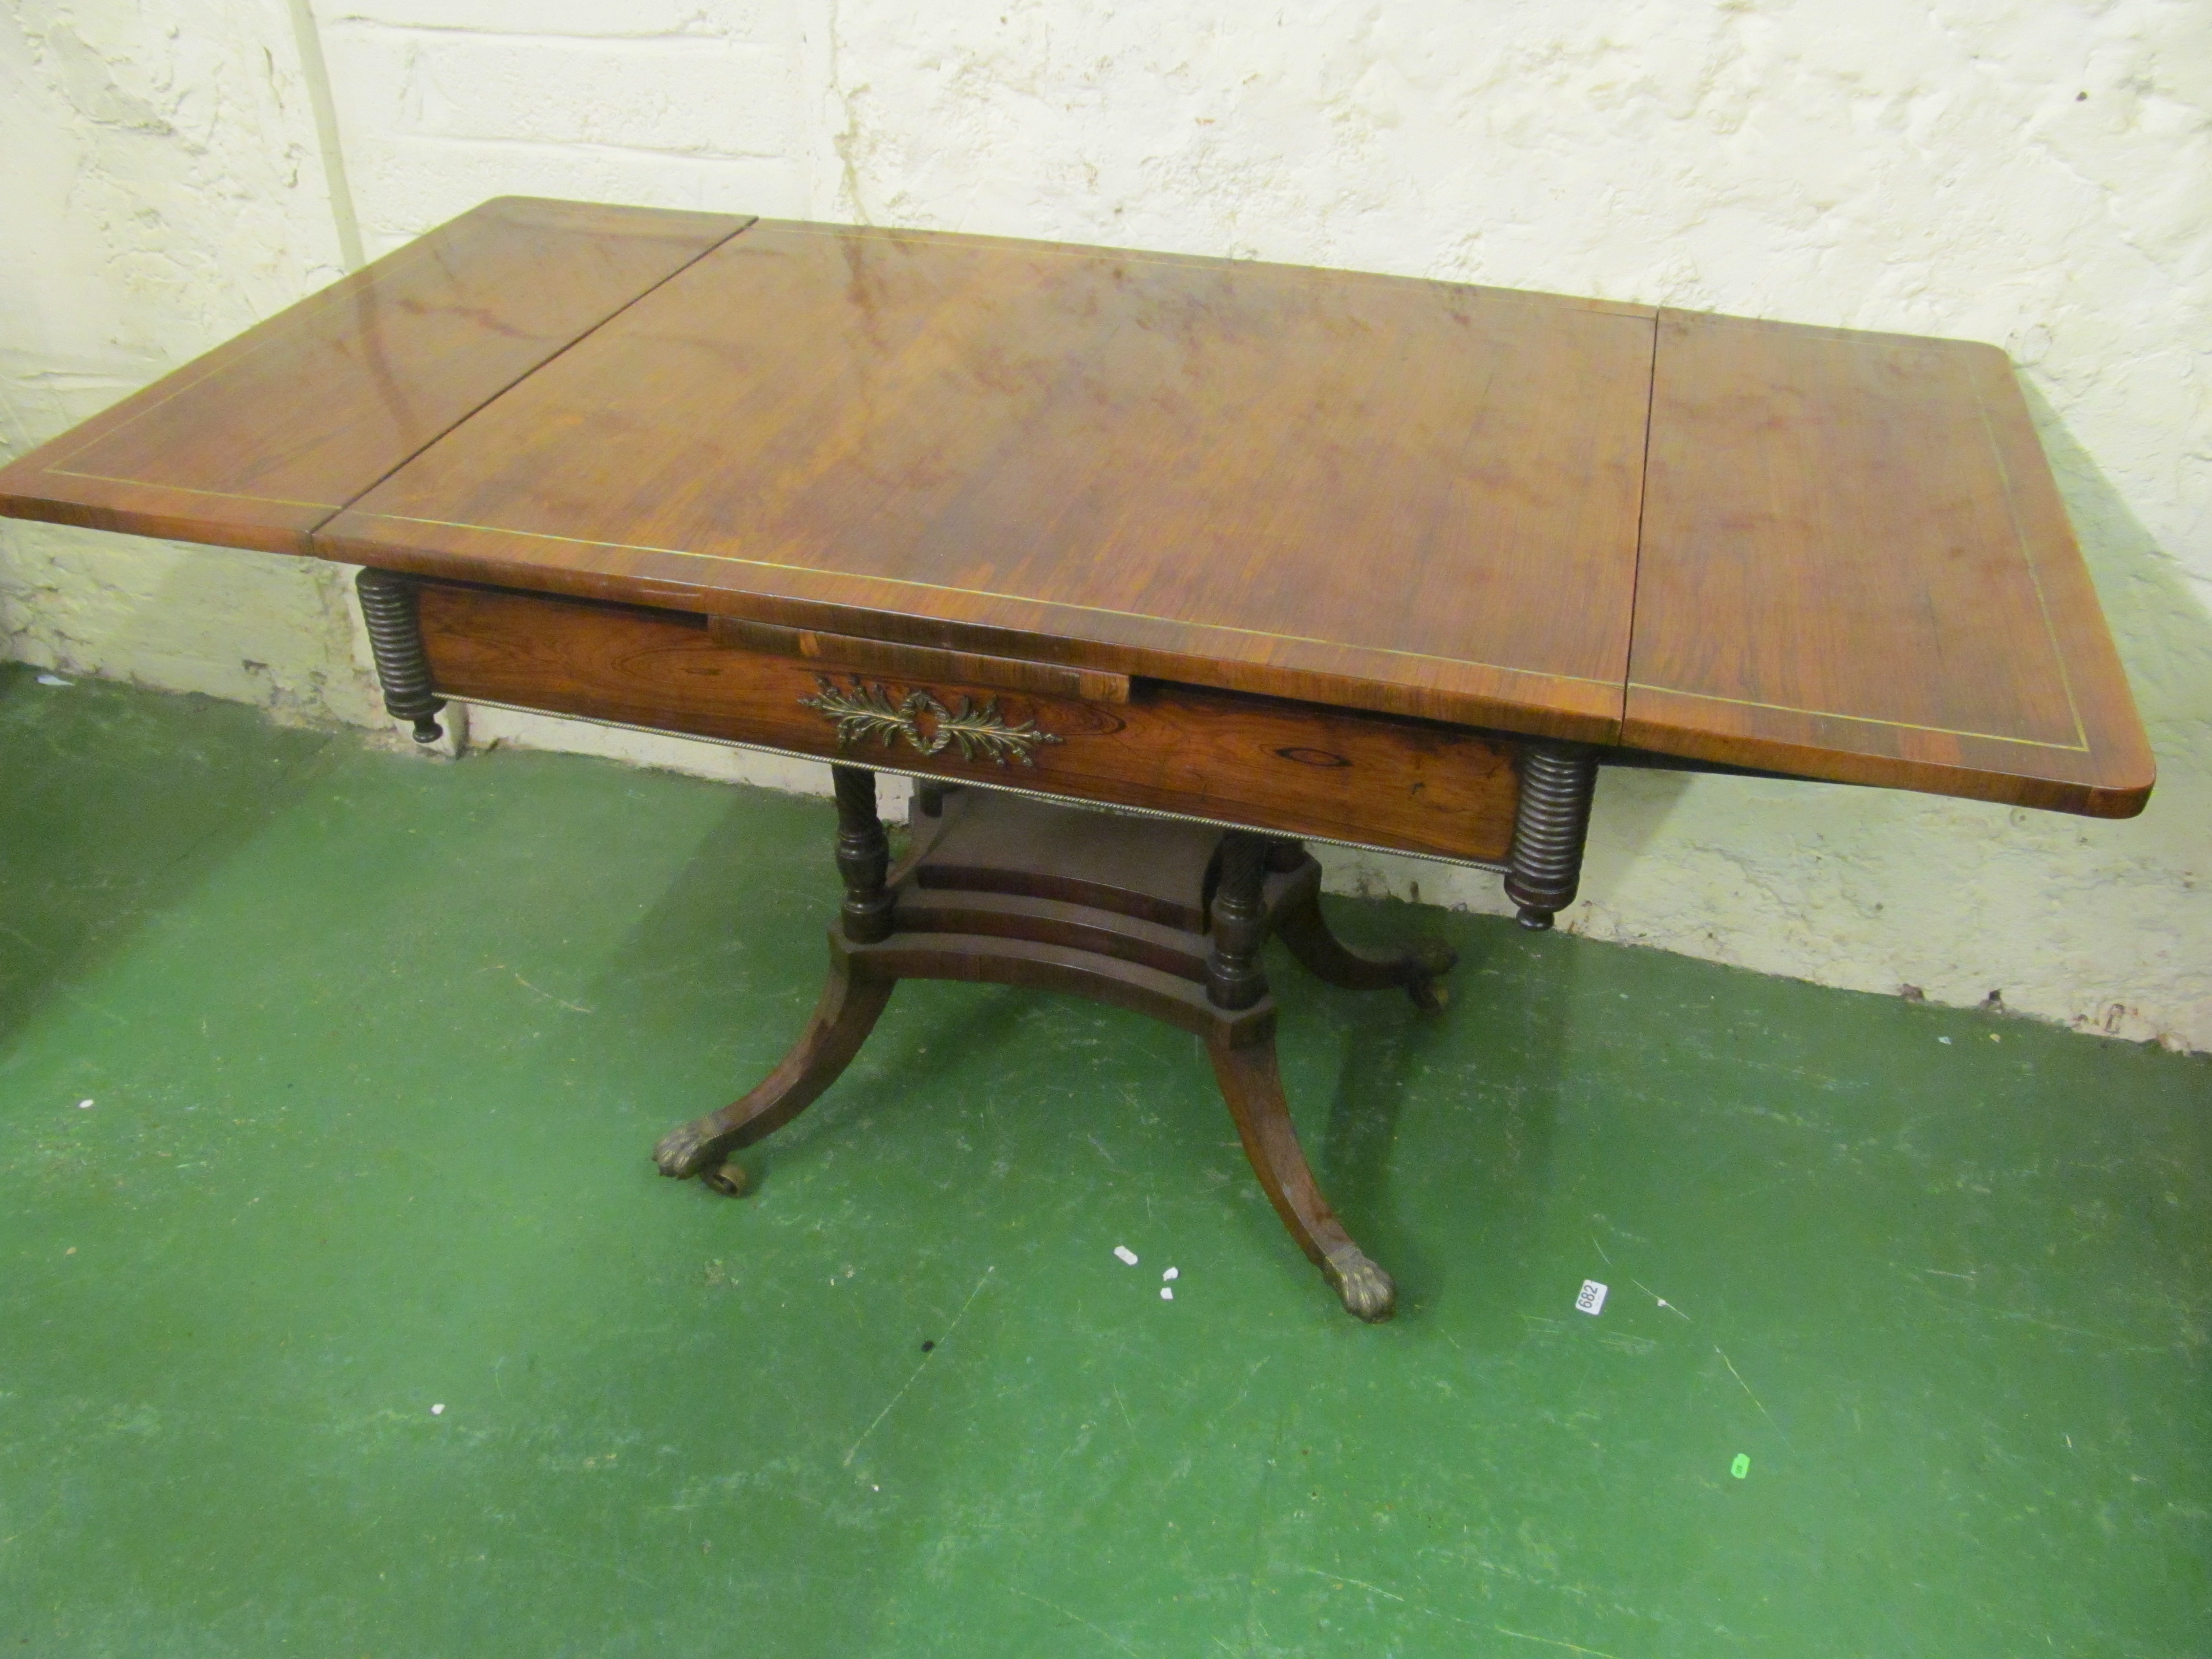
{"type": "Point", "coordinates": [1291, 768]}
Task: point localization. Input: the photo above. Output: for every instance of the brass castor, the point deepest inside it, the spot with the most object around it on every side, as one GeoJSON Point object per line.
{"type": "Point", "coordinates": [729, 1179]}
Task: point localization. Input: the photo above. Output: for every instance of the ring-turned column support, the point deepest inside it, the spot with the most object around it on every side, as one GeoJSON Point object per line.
{"type": "Point", "coordinates": [395, 640]}
{"type": "Point", "coordinates": [1549, 828]}
{"type": "Point", "coordinates": [1234, 978]}
{"type": "Point", "coordinates": [864, 856]}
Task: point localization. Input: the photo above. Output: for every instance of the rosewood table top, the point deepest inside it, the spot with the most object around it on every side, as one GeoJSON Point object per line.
{"type": "Point", "coordinates": [1833, 554]}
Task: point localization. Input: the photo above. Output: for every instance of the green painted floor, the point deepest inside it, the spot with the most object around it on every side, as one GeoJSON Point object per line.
{"type": "Point", "coordinates": [350, 1318]}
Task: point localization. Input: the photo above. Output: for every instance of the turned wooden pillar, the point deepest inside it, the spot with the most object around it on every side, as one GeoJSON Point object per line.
{"type": "Point", "coordinates": [1234, 978]}
{"type": "Point", "coordinates": [864, 856]}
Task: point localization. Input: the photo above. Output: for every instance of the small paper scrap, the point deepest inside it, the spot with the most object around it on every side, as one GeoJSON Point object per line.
{"type": "Point", "coordinates": [1592, 1298]}
{"type": "Point", "coordinates": [84, 1105]}
{"type": "Point", "coordinates": [1126, 1254]}
{"type": "Point", "coordinates": [54, 679]}
{"type": "Point", "coordinates": [437, 1411]}
{"type": "Point", "coordinates": [1172, 1274]}
{"type": "Point", "coordinates": [1167, 1293]}
{"type": "Point", "coordinates": [1741, 1466]}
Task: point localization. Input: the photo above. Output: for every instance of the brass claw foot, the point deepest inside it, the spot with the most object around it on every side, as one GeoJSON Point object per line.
{"type": "Point", "coordinates": [685, 1151]}
{"type": "Point", "coordinates": [695, 1149]}
{"type": "Point", "coordinates": [1366, 1291]}
{"type": "Point", "coordinates": [1429, 962]}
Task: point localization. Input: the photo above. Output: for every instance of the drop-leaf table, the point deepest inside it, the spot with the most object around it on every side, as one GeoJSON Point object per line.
{"type": "Point", "coordinates": [1247, 555]}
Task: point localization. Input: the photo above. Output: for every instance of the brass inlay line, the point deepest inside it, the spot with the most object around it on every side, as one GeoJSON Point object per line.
{"type": "Point", "coordinates": [384, 268]}
{"type": "Point", "coordinates": [187, 489]}
{"type": "Point", "coordinates": [1862, 719]}
{"type": "Point", "coordinates": [394, 261]}
{"type": "Point", "coordinates": [2027, 557]}
{"type": "Point", "coordinates": [985, 594]}
{"type": "Point", "coordinates": [2080, 743]}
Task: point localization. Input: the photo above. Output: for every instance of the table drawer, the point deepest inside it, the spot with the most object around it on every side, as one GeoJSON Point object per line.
{"type": "Point", "coordinates": [1406, 785]}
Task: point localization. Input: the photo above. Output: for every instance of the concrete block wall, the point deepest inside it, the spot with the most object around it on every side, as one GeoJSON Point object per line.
{"type": "Point", "coordinates": [2036, 174]}
{"type": "Point", "coordinates": [663, 103]}
{"type": "Point", "coordinates": [163, 189]}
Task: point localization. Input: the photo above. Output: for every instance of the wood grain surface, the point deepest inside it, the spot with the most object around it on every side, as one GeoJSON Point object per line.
{"type": "Point", "coordinates": [842, 651]}
{"type": "Point", "coordinates": [1808, 551]}
{"type": "Point", "coordinates": [1369, 491]}
{"type": "Point", "coordinates": [1374, 780]}
{"type": "Point", "coordinates": [261, 440]}
{"type": "Point", "coordinates": [1855, 566]}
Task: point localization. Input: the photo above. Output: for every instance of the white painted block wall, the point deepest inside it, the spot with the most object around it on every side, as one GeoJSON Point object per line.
{"type": "Point", "coordinates": [2037, 174]}
{"type": "Point", "coordinates": [160, 189]}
